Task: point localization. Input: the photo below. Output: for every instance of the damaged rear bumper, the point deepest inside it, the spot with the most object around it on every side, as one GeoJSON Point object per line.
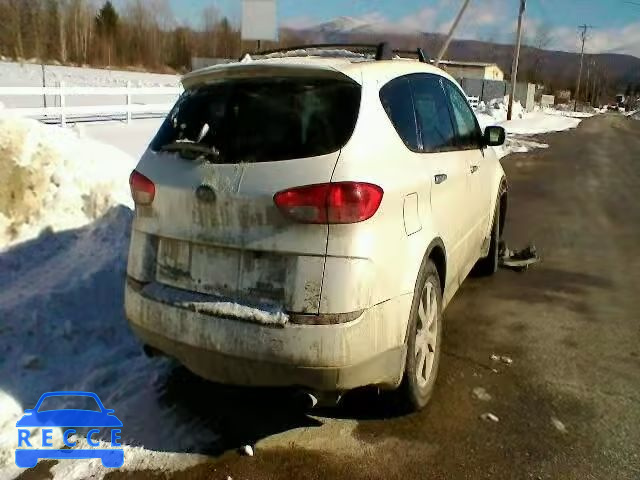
{"type": "Point", "coordinates": [366, 351]}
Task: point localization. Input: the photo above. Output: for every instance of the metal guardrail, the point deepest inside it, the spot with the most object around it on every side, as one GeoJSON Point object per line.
{"type": "Point", "coordinates": [65, 112]}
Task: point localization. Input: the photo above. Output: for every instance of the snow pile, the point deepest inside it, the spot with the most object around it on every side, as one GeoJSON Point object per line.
{"type": "Point", "coordinates": [496, 110]}
{"type": "Point", "coordinates": [535, 123]}
{"type": "Point", "coordinates": [55, 179]}
{"type": "Point", "coordinates": [61, 302]}
{"type": "Point", "coordinates": [62, 325]}
{"type": "Point", "coordinates": [571, 113]}
{"type": "Point", "coordinates": [524, 124]}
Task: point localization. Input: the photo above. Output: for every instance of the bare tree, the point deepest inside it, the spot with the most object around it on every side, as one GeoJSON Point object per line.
{"type": "Point", "coordinates": [540, 41]}
{"type": "Point", "coordinates": [12, 22]}
{"type": "Point", "coordinates": [210, 22]}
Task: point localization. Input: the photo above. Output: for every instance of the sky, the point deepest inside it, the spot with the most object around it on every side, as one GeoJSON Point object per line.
{"type": "Point", "coordinates": [616, 22]}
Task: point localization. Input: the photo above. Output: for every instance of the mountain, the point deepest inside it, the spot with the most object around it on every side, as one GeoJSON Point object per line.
{"type": "Point", "coordinates": [341, 25]}
{"type": "Point", "coordinates": [556, 69]}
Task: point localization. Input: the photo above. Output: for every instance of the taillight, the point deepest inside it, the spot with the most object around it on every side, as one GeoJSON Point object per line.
{"type": "Point", "coordinates": [341, 202]}
{"type": "Point", "coordinates": [143, 190]}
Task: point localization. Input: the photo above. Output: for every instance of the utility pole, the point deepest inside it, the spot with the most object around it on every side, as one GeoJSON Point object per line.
{"type": "Point", "coordinates": [589, 63]}
{"type": "Point", "coordinates": [583, 35]}
{"type": "Point", "coordinates": [454, 25]}
{"type": "Point", "coordinates": [516, 58]}
{"type": "Point", "coordinates": [595, 83]}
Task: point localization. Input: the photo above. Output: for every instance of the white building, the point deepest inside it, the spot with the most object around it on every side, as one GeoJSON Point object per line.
{"type": "Point", "coordinates": [482, 70]}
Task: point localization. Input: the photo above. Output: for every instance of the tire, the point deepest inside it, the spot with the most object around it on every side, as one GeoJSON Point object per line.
{"type": "Point", "coordinates": [424, 338]}
{"type": "Point", "coordinates": [489, 265]}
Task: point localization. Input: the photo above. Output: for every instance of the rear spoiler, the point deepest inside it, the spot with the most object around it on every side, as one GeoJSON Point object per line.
{"type": "Point", "coordinates": [266, 69]}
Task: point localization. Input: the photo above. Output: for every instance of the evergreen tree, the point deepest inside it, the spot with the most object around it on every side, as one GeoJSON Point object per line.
{"type": "Point", "coordinates": [107, 21]}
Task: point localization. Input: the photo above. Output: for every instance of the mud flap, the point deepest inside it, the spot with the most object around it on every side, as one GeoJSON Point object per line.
{"type": "Point", "coordinates": [518, 260]}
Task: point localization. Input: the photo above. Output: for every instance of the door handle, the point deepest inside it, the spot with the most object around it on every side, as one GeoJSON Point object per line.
{"type": "Point", "coordinates": [474, 168]}
{"type": "Point", "coordinates": [440, 178]}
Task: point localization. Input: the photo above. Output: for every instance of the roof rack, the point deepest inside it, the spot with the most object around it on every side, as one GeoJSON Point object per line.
{"type": "Point", "coordinates": [382, 50]}
{"type": "Point", "coordinates": [422, 57]}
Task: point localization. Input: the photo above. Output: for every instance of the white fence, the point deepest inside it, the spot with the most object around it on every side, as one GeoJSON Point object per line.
{"type": "Point", "coordinates": [63, 112]}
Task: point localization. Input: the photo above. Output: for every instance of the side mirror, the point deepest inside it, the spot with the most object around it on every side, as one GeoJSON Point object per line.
{"type": "Point", "coordinates": [494, 136]}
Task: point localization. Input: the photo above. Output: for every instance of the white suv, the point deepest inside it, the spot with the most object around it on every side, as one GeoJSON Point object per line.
{"type": "Point", "coordinates": [303, 221]}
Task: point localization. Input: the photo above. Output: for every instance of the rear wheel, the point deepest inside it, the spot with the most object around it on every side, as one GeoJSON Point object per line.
{"type": "Point", "coordinates": [424, 340]}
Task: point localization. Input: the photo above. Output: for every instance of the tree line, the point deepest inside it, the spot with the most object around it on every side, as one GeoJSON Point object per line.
{"type": "Point", "coordinates": [141, 33]}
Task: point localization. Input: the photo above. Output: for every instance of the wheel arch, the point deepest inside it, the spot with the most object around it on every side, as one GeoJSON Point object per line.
{"type": "Point", "coordinates": [437, 253]}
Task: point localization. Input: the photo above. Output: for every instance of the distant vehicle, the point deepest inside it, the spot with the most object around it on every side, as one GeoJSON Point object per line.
{"type": "Point", "coordinates": [304, 221]}
{"type": "Point", "coordinates": [620, 99]}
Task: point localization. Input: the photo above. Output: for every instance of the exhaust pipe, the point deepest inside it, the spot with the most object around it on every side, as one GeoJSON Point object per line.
{"type": "Point", "coordinates": [152, 352]}
{"type": "Point", "coordinates": [312, 400]}
{"type": "Point", "coordinates": [320, 399]}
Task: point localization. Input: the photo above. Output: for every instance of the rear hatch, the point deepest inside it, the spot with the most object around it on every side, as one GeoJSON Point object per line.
{"type": "Point", "coordinates": [227, 147]}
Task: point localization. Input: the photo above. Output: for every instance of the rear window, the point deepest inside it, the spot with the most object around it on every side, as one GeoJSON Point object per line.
{"type": "Point", "coordinates": [261, 120]}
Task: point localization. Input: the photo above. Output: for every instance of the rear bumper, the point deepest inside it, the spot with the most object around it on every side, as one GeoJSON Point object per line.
{"type": "Point", "coordinates": [367, 351]}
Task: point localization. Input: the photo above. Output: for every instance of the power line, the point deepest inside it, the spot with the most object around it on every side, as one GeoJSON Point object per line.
{"type": "Point", "coordinates": [583, 35]}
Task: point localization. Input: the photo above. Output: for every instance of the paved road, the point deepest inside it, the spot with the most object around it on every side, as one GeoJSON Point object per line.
{"type": "Point", "coordinates": [568, 406]}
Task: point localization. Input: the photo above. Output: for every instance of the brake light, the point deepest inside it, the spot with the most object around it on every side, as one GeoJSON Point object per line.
{"type": "Point", "coordinates": [341, 202]}
{"type": "Point", "coordinates": [143, 190]}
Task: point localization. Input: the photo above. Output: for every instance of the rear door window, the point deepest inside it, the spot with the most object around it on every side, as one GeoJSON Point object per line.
{"type": "Point", "coordinates": [262, 120]}
{"type": "Point", "coordinates": [433, 113]}
{"type": "Point", "coordinates": [398, 103]}
{"type": "Point", "coordinates": [464, 118]}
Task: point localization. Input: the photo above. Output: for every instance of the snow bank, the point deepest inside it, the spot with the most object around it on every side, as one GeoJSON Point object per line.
{"type": "Point", "coordinates": [55, 179]}
{"type": "Point", "coordinates": [495, 112]}
{"type": "Point", "coordinates": [62, 326]}
{"type": "Point", "coordinates": [61, 302]}
{"type": "Point", "coordinates": [524, 124]}
{"type": "Point", "coordinates": [535, 123]}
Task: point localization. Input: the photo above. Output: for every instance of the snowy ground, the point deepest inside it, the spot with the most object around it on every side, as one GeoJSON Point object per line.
{"type": "Point", "coordinates": [64, 230]}
{"type": "Point", "coordinates": [14, 74]}
{"type": "Point", "coordinates": [62, 262]}
{"type": "Point", "coordinates": [523, 124]}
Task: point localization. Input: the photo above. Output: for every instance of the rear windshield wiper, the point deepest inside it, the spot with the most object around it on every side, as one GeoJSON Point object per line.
{"type": "Point", "coordinates": [193, 150]}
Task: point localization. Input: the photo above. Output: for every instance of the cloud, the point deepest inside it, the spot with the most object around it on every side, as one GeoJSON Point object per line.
{"type": "Point", "coordinates": [625, 40]}
{"type": "Point", "coordinates": [494, 20]}
{"type": "Point", "coordinates": [300, 23]}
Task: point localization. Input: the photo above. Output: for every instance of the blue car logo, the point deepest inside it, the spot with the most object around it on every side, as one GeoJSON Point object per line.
{"type": "Point", "coordinates": [104, 418]}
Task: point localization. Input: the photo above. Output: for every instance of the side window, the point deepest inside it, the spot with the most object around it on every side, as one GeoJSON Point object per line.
{"type": "Point", "coordinates": [465, 119]}
{"type": "Point", "coordinates": [397, 102]}
{"type": "Point", "coordinates": [432, 109]}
